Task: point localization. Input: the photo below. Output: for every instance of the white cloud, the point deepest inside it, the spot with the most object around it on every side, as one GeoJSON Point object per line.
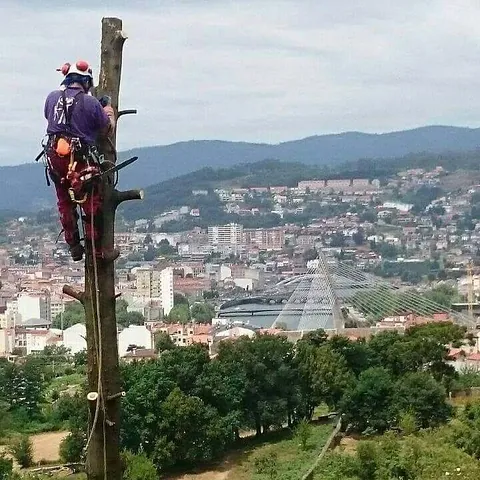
{"type": "Point", "coordinates": [259, 70]}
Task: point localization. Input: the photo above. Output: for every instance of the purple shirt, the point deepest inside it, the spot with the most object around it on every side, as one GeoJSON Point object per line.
{"type": "Point", "coordinates": [87, 120]}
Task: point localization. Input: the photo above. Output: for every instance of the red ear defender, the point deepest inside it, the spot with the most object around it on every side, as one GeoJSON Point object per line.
{"type": "Point", "coordinates": [64, 68]}
{"type": "Point", "coordinates": [82, 65]}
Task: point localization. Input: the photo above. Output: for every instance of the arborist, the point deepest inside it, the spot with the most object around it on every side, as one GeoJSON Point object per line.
{"type": "Point", "coordinates": [75, 120]}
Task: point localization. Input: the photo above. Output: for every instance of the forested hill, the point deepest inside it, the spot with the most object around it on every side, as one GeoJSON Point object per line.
{"type": "Point", "coordinates": [23, 187]}
{"type": "Point", "coordinates": [161, 163]}
{"type": "Point", "coordinates": [178, 191]}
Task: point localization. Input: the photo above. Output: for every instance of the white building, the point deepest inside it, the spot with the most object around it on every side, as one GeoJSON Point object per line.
{"type": "Point", "coordinates": [155, 286]}
{"type": "Point", "coordinates": [74, 338]}
{"type": "Point", "coordinates": [9, 319]}
{"type": "Point", "coordinates": [31, 305]}
{"type": "Point", "coordinates": [57, 306]}
{"type": "Point", "coordinates": [6, 341]}
{"type": "Point", "coordinates": [138, 335]}
{"type": "Point", "coordinates": [230, 235]}
{"type": "Point", "coordinates": [166, 280]}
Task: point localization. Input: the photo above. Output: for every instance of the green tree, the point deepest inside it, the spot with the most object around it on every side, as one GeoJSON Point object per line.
{"type": "Point", "coordinates": [179, 314]}
{"type": "Point", "coordinates": [149, 254]}
{"type": "Point", "coordinates": [337, 240]}
{"type": "Point", "coordinates": [23, 386]}
{"type": "Point", "coordinates": [126, 318]}
{"type": "Point", "coordinates": [442, 332]}
{"type": "Point", "coordinates": [179, 299]}
{"type": "Point", "coordinates": [163, 342]}
{"type": "Point", "coordinates": [149, 384]}
{"type": "Point", "coordinates": [74, 313]}
{"type": "Point", "coordinates": [271, 392]}
{"type": "Point", "coordinates": [202, 312]}
{"type": "Point", "coordinates": [165, 249]}
{"type": "Point", "coordinates": [327, 374]}
{"type": "Point", "coordinates": [310, 254]}
{"type": "Point", "coordinates": [224, 386]}
{"type": "Point", "coordinates": [80, 358]}
{"type": "Point", "coordinates": [359, 237]}
{"type": "Point", "coordinates": [419, 393]}
{"type": "Point", "coordinates": [315, 337]}
{"type": "Point", "coordinates": [190, 431]}
{"type": "Point", "coordinates": [369, 404]}
{"type": "Point", "coordinates": [357, 354]}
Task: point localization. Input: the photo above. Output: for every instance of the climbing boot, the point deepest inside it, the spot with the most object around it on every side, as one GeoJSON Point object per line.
{"type": "Point", "coordinates": [76, 252]}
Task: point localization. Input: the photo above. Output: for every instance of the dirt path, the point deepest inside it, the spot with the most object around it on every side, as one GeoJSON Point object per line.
{"type": "Point", "coordinates": [46, 446]}
{"type": "Point", "coordinates": [347, 445]}
{"type": "Point", "coordinates": [221, 472]}
{"type": "Point", "coordinates": [211, 475]}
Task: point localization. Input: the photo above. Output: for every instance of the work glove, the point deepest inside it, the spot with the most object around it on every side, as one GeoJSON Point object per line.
{"type": "Point", "coordinates": [105, 101]}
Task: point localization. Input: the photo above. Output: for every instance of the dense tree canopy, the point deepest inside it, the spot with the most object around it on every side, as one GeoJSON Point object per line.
{"type": "Point", "coordinates": [185, 407]}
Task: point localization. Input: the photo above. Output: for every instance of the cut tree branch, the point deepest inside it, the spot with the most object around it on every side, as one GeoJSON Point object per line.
{"type": "Point", "coordinates": [127, 195]}
{"type": "Point", "coordinates": [71, 292]}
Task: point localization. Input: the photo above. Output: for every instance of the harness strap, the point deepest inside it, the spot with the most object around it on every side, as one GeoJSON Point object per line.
{"type": "Point", "coordinates": [68, 112]}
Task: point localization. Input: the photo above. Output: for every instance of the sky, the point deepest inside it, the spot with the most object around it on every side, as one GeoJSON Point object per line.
{"type": "Point", "coordinates": [258, 71]}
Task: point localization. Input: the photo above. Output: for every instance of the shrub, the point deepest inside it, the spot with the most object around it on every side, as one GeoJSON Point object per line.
{"type": "Point", "coordinates": [303, 432]}
{"type": "Point", "coordinates": [22, 450]}
{"type": "Point", "coordinates": [408, 422]}
{"type": "Point", "coordinates": [6, 467]}
{"type": "Point", "coordinates": [138, 467]}
{"type": "Point", "coordinates": [71, 448]}
{"type": "Point", "coordinates": [267, 464]}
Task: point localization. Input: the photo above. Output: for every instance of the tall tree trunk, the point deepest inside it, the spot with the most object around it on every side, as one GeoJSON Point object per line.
{"type": "Point", "coordinates": [103, 454]}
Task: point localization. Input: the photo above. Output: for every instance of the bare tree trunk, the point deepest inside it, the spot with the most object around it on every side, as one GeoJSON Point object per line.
{"type": "Point", "coordinates": [103, 454]}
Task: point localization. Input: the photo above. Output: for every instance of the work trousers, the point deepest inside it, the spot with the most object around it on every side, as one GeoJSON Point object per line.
{"type": "Point", "coordinates": [68, 209]}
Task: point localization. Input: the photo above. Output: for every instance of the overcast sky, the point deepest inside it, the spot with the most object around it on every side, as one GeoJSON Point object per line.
{"type": "Point", "coordinates": [262, 70]}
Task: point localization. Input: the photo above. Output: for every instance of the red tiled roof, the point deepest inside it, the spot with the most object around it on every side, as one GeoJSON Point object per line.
{"type": "Point", "coordinates": [475, 357]}
{"type": "Point", "coordinates": [141, 353]}
{"type": "Point", "coordinates": [454, 353]}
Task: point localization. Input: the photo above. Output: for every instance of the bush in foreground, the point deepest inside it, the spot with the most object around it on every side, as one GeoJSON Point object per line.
{"type": "Point", "coordinates": [138, 467]}
{"type": "Point", "coordinates": [22, 450]}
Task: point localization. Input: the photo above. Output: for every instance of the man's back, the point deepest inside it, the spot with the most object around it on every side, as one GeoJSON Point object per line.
{"type": "Point", "coordinates": [86, 120]}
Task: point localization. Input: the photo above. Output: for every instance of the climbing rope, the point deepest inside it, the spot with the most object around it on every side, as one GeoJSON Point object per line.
{"type": "Point", "coordinates": [94, 290]}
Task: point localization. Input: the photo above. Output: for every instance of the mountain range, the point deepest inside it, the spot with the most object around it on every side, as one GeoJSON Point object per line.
{"type": "Point", "coordinates": [23, 187]}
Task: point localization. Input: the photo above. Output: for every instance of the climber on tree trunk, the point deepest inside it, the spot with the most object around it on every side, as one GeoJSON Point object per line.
{"type": "Point", "coordinates": [75, 120]}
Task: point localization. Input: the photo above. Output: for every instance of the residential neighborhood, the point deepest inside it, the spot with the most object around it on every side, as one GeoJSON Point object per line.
{"type": "Point", "coordinates": [360, 223]}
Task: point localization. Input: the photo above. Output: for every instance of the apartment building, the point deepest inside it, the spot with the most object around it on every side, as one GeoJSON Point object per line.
{"type": "Point", "coordinates": [312, 185]}
{"type": "Point", "coordinates": [57, 306]}
{"type": "Point", "coordinates": [34, 305]}
{"type": "Point", "coordinates": [230, 235]}
{"type": "Point", "coordinates": [264, 238]}
{"type": "Point", "coordinates": [155, 285]}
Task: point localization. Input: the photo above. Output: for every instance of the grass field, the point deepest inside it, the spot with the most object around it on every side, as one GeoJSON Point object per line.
{"type": "Point", "coordinates": [291, 461]}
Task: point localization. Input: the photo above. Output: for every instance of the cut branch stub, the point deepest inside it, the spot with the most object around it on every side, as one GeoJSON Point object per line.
{"type": "Point", "coordinates": [72, 292]}
{"type": "Point", "coordinates": [128, 195]}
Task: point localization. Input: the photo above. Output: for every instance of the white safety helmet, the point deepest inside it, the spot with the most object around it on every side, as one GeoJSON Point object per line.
{"type": "Point", "coordinates": [80, 68]}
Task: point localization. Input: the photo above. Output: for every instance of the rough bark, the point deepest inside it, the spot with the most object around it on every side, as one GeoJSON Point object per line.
{"type": "Point", "coordinates": [103, 454]}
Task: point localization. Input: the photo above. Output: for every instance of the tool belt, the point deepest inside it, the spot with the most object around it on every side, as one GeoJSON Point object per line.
{"type": "Point", "coordinates": [75, 152]}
